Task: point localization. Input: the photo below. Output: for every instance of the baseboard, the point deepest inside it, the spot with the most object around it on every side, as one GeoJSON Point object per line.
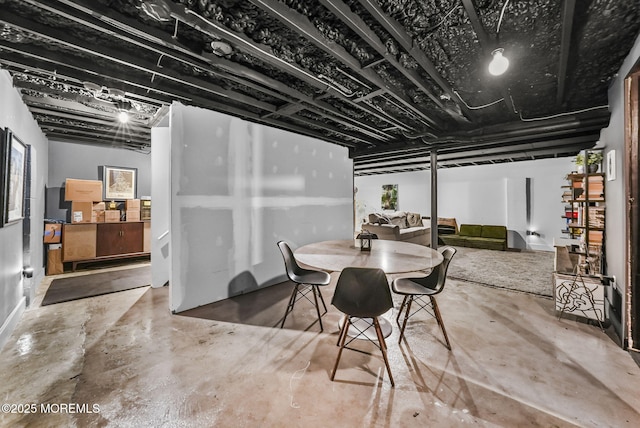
{"type": "Point", "coordinates": [12, 321]}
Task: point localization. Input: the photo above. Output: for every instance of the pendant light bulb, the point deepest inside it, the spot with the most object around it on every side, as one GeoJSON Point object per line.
{"type": "Point", "coordinates": [123, 117]}
{"type": "Point", "coordinates": [499, 63]}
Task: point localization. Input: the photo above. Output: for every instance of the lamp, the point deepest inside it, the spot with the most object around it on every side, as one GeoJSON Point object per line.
{"type": "Point", "coordinates": [365, 240]}
{"type": "Point", "coordinates": [123, 117]}
{"type": "Point", "coordinates": [499, 63]}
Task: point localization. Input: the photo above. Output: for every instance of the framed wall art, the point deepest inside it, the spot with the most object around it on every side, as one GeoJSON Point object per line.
{"type": "Point", "coordinates": [119, 183]}
{"type": "Point", "coordinates": [14, 159]}
{"type": "Point", "coordinates": [389, 197]}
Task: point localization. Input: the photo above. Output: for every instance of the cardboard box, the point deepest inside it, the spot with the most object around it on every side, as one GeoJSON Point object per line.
{"type": "Point", "coordinates": [52, 233]}
{"type": "Point", "coordinates": [83, 190]}
{"type": "Point", "coordinates": [145, 213]}
{"type": "Point", "coordinates": [97, 216]}
{"type": "Point", "coordinates": [112, 216]}
{"type": "Point", "coordinates": [133, 215]}
{"type": "Point", "coordinates": [81, 212]}
{"type": "Point", "coordinates": [54, 261]}
{"type": "Point", "coordinates": [132, 204]}
{"type": "Point", "coordinates": [99, 206]}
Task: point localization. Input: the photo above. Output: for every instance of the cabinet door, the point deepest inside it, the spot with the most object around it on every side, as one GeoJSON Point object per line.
{"type": "Point", "coordinates": [78, 242]}
{"type": "Point", "coordinates": [119, 238]}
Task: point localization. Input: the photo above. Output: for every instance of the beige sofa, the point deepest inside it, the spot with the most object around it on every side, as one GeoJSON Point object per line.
{"type": "Point", "coordinates": [399, 226]}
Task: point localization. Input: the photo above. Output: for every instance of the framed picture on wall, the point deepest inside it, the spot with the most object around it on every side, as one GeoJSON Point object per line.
{"type": "Point", "coordinates": [119, 183]}
{"type": "Point", "coordinates": [14, 160]}
{"type": "Point", "coordinates": [389, 197]}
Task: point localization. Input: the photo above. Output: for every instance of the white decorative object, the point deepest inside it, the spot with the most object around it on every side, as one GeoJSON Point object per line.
{"type": "Point", "coordinates": [611, 165]}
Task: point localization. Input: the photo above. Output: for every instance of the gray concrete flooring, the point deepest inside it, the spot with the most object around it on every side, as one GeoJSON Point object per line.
{"type": "Point", "coordinates": [513, 364]}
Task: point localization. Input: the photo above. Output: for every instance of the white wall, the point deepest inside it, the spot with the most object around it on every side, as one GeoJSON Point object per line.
{"type": "Point", "coordinates": [236, 189]}
{"type": "Point", "coordinates": [83, 161]}
{"type": "Point", "coordinates": [485, 194]}
{"type": "Point", "coordinates": [14, 289]}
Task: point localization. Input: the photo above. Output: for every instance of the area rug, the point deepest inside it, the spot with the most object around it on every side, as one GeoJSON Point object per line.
{"type": "Point", "coordinates": [527, 271]}
{"type": "Point", "coordinates": [96, 284]}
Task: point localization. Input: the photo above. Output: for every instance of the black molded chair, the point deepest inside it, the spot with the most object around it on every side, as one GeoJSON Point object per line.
{"type": "Point", "coordinates": [306, 281]}
{"type": "Point", "coordinates": [417, 289]}
{"type": "Point", "coordinates": [362, 293]}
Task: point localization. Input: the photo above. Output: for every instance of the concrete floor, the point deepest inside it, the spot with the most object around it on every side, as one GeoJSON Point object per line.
{"type": "Point", "coordinates": [513, 364]}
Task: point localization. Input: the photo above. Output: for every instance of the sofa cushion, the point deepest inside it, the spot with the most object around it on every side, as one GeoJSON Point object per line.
{"type": "Point", "coordinates": [487, 243]}
{"type": "Point", "coordinates": [401, 222]}
{"type": "Point", "coordinates": [411, 232]}
{"type": "Point", "coordinates": [378, 218]}
{"type": "Point", "coordinates": [471, 230]}
{"type": "Point", "coordinates": [414, 220]}
{"type": "Point", "coordinates": [456, 240]}
{"type": "Point", "coordinates": [498, 232]}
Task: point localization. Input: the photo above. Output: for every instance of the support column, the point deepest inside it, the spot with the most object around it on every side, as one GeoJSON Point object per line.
{"type": "Point", "coordinates": [434, 199]}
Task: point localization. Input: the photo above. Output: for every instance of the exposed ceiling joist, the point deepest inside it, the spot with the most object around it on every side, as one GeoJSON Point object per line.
{"type": "Point", "coordinates": [390, 80]}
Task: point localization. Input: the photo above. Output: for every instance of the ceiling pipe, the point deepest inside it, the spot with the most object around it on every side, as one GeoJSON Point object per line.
{"type": "Point", "coordinates": [510, 135]}
{"type": "Point", "coordinates": [566, 144]}
{"type": "Point", "coordinates": [567, 119]}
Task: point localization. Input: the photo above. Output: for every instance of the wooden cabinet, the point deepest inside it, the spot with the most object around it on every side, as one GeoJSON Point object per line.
{"type": "Point", "coordinates": [105, 241]}
{"type": "Point", "coordinates": [119, 238]}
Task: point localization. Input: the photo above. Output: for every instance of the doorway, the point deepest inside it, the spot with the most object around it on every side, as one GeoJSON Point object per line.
{"type": "Point", "coordinates": [632, 137]}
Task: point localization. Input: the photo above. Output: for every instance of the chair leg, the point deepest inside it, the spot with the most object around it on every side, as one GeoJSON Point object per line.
{"type": "Point", "coordinates": [406, 317]}
{"type": "Point", "coordinates": [404, 301]}
{"type": "Point", "coordinates": [321, 299]}
{"type": "Point", "coordinates": [341, 340]}
{"type": "Point", "coordinates": [436, 311]}
{"type": "Point", "coordinates": [292, 302]}
{"type": "Point", "coordinates": [383, 348]}
{"type": "Point", "coordinates": [314, 289]}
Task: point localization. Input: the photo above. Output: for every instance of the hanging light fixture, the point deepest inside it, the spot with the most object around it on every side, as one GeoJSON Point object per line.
{"type": "Point", "coordinates": [499, 63]}
{"type": "Point", "coordinates": [123, 116]}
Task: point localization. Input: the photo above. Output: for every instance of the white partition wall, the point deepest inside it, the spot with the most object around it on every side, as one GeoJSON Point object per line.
{"type": "Point", "coordinates": [236, 189]}
{"type": "Point", "coordinates": [160, 206]}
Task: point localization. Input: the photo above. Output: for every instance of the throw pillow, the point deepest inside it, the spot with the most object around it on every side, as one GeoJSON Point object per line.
{"type": "Point", "coordinates": [378, 218]}
{"type": "Point", "coordinates": [401, 222]}
{"type": "Point", "coordinates": [414, 220]}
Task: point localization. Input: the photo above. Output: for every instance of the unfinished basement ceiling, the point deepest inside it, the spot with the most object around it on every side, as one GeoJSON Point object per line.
{"type": "Point", "coordinates": [390, 80]}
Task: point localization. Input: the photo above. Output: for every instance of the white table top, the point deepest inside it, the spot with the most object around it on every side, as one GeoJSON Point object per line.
{"type": "Point", "coordinates": [390, 256]}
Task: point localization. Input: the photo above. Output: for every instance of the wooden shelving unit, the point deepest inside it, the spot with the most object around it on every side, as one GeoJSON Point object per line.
{"type": "Point", "coordinates": [584, 198]}
{"type": "Point", "coordinates": [580, 254]}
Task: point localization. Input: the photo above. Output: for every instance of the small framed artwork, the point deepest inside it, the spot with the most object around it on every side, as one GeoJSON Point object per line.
{"type": "Point", "coordinates": [119, 183]}
{"type": "Point", "coordinates": [611, 165]}
{"type": "Point", "coordinates": [389, 197]}
{"type": "Point", "coordinates": [14, 158]}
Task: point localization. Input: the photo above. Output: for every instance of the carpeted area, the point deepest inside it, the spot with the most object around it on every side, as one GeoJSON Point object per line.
{"type": "Point", "coordinates": [527, 271]}
{"type": "Point", "coordinates": [96, 284]}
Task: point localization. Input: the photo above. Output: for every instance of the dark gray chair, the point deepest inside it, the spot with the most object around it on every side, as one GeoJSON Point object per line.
{"type": "Point", "coordinates": [306, 281]}
{"type": "Point", "coordinates": [362, 293]}
{"type": "Point", "coordinates": [417, 289]}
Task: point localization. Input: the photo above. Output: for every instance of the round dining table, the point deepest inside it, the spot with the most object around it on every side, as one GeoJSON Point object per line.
{"type": "Point", "coordinates": [390, 256]}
